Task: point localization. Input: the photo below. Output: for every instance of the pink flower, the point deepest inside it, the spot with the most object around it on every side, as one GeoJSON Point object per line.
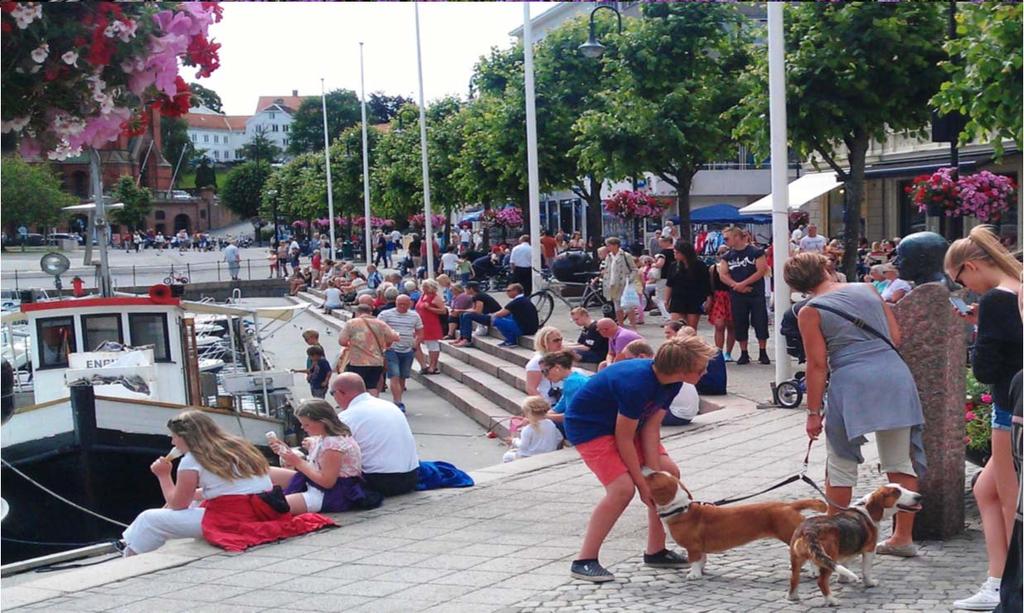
{"type": "Point", "coordinates": [967, 440]}
{"type": "Point", "coordinates": [969, 416]}
{"type": "Point", "coordinates": [986, 398]}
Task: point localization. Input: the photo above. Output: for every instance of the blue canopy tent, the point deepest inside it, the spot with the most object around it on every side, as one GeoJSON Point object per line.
{"type": "Point", "coordinates": [725, 214]}
{"type": "Point", "coordinates": [471, 216]}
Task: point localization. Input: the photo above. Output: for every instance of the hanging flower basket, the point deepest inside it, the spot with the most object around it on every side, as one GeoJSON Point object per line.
{"type": "Point", "coordinates": [509, 217]}
{"type": "Point", "coordinates": [984, 195]}
{"type": "Point", "coordinates": [627, 204]}
{"type": "Point", "coordinates": [419, 220]}
{"type": "Point", "coordinates": [300, 224]}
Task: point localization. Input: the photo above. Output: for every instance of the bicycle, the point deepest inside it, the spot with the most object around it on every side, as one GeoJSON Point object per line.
{"type": "Point", "coordinates": [544, 298]}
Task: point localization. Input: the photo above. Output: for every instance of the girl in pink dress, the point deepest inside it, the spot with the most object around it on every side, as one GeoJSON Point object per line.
{"type": "Point", "coordinates": [430, 308]}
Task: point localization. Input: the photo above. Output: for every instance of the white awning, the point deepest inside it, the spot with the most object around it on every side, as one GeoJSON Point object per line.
{"type": "Point", "coordinates": [266, 314]}
{"type": "Point", "coordinates": [803, 190]}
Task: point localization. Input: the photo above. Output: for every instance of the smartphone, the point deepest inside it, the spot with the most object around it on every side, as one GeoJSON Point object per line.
{"type": "Point", "coordinates": [959, 305]}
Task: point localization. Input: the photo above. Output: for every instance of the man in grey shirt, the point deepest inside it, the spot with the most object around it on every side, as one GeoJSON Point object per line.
{"type": "Point", "coordinates": [399, 356]}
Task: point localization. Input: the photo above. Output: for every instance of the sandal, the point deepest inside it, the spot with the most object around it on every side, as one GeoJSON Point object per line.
{"type": "Point", "coordinates": [902, 551]}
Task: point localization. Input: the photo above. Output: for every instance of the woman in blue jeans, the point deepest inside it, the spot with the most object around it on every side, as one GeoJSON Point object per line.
{"type": "Point", "coordinates": [981, 264]}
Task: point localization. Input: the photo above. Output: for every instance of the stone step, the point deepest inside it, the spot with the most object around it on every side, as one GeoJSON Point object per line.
{"type": "Point", "coordinates": [465, 397]}
{"type": "Point", "coordinates": [505, 392]}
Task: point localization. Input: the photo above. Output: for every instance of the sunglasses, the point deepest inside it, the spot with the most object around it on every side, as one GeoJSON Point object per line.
{"type": "Point", "coordinates": [545, 371]}
{"type": "Point", "coordinates": [956, 279]}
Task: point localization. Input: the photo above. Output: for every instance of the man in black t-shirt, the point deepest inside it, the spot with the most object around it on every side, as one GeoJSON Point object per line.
{"type": "Point", "coordinates": [742, 269]}
{"type": "Point", "coordinates": [591, 346]}
{"type": "Point", "coordinates": [518, 318]}
{"type": "Point", "coordinates": [483, 307]}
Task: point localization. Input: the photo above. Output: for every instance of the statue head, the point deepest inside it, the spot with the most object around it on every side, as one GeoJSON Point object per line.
{"type": "Point", "coordinates": [919, 258]}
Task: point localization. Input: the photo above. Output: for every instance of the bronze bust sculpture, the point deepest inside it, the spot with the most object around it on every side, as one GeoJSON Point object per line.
{"type": "Point", "coordinates": [920, 256]}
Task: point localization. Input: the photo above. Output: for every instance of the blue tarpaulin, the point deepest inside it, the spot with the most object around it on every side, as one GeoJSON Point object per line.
{"type": "Point", "coordinates": [726, 213]}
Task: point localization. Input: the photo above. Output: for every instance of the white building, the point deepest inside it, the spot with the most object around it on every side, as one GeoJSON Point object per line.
{"type": "Point", "coordinates": [222, 137]}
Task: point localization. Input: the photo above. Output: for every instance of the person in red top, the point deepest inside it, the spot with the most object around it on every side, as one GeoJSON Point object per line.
{"type": "Point", "coordinates": [430, 308]}
{"type": "Point", "coordinates": [548, 247]}
{"type": "Point", "coordinates": [315, 265]}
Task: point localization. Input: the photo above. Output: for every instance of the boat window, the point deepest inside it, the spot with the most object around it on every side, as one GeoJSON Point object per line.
{"type": "Point", "coordinates": [56, 340]}
{"type": "Point", "coordinates": [151, 329]}
{"type": "Point", "coordinates": [97, 329]}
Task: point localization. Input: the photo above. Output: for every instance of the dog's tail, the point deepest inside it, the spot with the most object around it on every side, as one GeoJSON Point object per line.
{"type": "Point", "coordinates": [818, 555]}
{"type": "Point", "coordinates": [810, 504]}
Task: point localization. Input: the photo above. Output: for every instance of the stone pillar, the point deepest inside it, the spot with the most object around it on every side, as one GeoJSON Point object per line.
{"type": "Point", "coordinates": [935, 348]}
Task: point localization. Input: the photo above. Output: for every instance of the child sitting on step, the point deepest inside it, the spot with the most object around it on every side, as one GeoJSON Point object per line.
{"type": "Point", "coordinates": [540, 435]}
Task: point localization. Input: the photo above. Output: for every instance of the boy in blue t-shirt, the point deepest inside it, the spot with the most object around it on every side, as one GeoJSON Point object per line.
{"type": "Point", "coordinates": [614, 421]}
{"type": "Point", "coordinates": [319, 371]}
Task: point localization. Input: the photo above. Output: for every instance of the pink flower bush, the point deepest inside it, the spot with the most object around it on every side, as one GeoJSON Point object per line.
{"type": "Point", "coordinates": [984, 195]}
{"type": "Point", "coordinates": [628, 204]}
{"type": "Point", "coordinates": [81, 74]}
{"type": "Point", "coordinates": [419, 220]}
{"type": "Point", "coordinates": [509, 217]}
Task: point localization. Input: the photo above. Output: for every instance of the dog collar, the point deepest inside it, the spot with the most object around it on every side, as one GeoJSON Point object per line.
{"type": "Point", "coordinates": [683, 508]}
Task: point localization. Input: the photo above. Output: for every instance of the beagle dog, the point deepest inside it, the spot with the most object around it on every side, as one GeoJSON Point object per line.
{"type": "Point", "coordinates": [828, 540]}
{"type": "Point", "coordinates": [703, 528]}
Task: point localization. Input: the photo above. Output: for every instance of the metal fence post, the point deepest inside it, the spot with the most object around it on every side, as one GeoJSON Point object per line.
{"type": "Point", "coordinates": [16, 288]}
{"type": "Point", "coordinates": [134, 282]}
{"type": "Point", "coordinates": [218, 271]}
{"type": "Point", "coordinates": [188, 272]}
{"type": "Point", "coordinates": [248, 266]}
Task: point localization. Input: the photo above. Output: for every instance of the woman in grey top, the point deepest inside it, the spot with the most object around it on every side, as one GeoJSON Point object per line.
{"type": "Point", "coordinates": [870, 388]}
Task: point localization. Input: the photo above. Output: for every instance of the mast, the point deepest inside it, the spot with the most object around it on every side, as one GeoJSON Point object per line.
{"type": "Point", "coordinates": [102, 227]}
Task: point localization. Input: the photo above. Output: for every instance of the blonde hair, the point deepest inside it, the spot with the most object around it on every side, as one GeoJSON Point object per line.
{"type": "Point", "coordinates": [982, 244]}
{"type": "Point", "coordinates": [579, 311]}
{"type": "Point", "coordinates": [319, 410]}
{"type": "Point", "coordinates": [457, 289]}
{"type": "Point", "coordinates": [683, 354]}
{"type": "Point", "coordinates": [225, 455]}
{"type": "Point", "coordinates": [535, 409]}
{"type": "Point", "coordinates": [806, 271]}
{"type": "Point", "coordinates": [686, 331]}
{"type": "Point", "coordinates": [638, 349]}
{"type": "Point", "coordinates": [443, 280]}
{"type": "Point", "coordinates": [541, 340]}
{"type": "Point", "coordinates": [429, 286]}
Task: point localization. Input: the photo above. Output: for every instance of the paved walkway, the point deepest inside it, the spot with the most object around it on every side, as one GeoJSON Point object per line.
{"type": "Point", "coordinates": [506, 544]}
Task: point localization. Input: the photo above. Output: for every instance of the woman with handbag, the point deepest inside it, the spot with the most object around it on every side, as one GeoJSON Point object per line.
{"type": "Point", "coordinates": [364, 339]}
{"type": "Point", "coordinates": [850, 337]}
{"type": "Point", "coordinates": [621, 278]}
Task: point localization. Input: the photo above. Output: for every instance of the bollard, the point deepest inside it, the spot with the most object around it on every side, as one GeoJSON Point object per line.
{"type": "Point", "coordinates": [134, 282]}
{"type": "Point", "coordinates": [16, 288]}
{"type": "Point", "coordinates": [188, 271]}
{"type": "Point", "coordinates": [218, 271]}
{"type": "Point", "coordinates": [248, 266]}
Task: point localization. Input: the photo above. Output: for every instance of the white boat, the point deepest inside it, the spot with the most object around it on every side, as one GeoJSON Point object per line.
{"type": "Point", "coordinates": [16, 346]}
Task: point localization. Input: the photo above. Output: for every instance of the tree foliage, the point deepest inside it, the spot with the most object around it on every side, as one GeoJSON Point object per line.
{"type": "Point", "coordinates": [202, 95]}
{"type": "Point", "coordinates": [205, 175]}
{"type": "Point", "coordinates": [243, 187]}
{"type": "Point", "coordinates": [174, 138]}
{"type": "Point", "coordinates": [677, 70]}
{"type": "Point", "coordinates": [306, 133]}
{"type": "Point", "coordinates": [30, 194]}
{"type": "Point", "coordinates": [382, 108]}
{"type": "Point", "coordinates": [854, 71]}
{"type": "Point", "coordinates": [137, 203]}
{"type": "Point", "coordinates": [984, 73]}
{"type": "Point", "coordinates": [261, 148]}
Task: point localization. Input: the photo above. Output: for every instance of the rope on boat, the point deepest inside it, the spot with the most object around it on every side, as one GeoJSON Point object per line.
{"type": "Point", "coordinates": [61, 498]}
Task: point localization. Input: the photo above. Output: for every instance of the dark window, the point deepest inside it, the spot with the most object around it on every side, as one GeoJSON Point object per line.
{"type": "Point", "coordinates": [202, 214]}
{"type": "Point", "coordinates": [99, 328]}
{"type": "Point", "coordinates": [56, 340]}
{"type": "Point", "coordinates": [159, 215]}
{"type": "Point", "coordinates": [150, 329]}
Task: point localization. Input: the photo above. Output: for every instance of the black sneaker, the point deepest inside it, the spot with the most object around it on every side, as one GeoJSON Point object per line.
{"type": "Point", "coordinates": [763, 358]}
{"type": "Point", "coordinates": [744, 358]}
{"type": "Point", "coordinates": [666, 559]}
{"type": "Point", "coordinates": [590, 570]}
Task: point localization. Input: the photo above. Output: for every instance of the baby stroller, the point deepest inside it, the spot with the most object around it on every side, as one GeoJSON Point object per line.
{"type": "Point", "coordinates": [789, 394]}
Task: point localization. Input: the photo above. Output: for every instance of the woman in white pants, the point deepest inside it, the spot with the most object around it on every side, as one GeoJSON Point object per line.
{"type": "Point", "coordinates": [214, 464]}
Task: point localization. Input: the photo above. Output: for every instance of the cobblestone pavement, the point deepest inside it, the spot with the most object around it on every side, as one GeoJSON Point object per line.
{"type": "Point", "coordinates": [506, 545]}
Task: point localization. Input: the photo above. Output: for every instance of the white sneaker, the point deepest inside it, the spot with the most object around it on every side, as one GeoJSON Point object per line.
{"type": "Point", "coordinates": [986, 599]}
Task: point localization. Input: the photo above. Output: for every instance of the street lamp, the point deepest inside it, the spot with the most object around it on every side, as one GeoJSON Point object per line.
{"type": "Point", "coordinates": [593, 48]}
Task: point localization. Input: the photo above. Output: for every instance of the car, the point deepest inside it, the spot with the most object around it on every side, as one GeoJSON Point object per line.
{"type": "Point", "coordinates": [30, 240]}
{"type": "Point", "coordinates": [59, 236]}
{"type": "Point", "coordinates": [180, 194]}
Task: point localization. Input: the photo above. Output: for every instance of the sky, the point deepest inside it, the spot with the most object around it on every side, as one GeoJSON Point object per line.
{"type": "Point", "coordinates": [272, 48]}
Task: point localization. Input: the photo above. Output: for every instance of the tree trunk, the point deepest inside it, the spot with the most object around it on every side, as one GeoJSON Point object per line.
{"type": "Point", "coordinates": [858, 149]}
{"type": "Point", "coordinates": [595, 215]}
{"type": "Point", "coordinates": [486, 244]}
{"type": "Point", "coordinates": [684, 179]}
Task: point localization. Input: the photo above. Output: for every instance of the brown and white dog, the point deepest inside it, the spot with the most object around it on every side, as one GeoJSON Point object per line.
{"type": "Point", "coordinates": [828, 540]}
{"type": "Point", "coordinates": [703, 528]}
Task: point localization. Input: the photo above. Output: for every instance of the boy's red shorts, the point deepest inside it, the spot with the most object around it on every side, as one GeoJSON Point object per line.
{"type": "Point", "coordinates": [601, 456]}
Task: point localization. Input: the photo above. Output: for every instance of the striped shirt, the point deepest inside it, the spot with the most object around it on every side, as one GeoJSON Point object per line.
{"type": "Point", "coordinates": [405, 324]}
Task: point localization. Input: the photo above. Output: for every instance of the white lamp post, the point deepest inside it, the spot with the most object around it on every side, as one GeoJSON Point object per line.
{"type": "Point", "coordinates": [366, 162]}
{"type": "Point", "coordinates": [327, 157]}
{"type": "Point", "coordinates": [428, 225]}
{"type": "Point", "coordinates": [533, 174]}
{"type": "Point", "coordinates": [780, 178]}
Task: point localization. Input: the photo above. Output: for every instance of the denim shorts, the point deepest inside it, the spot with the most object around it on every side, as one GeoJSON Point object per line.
{"type": "Point", "coordinates": [1001, 420]}
{"type": "Point", "coordinates": [399, 364]}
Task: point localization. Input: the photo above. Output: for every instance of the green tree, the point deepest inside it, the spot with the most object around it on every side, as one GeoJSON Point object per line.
{"type": "Point", "coordinates": [854, 72]}
{"type": "Point", "coordinates": [261, 148]}
{"type": "Point", "coordinates": [381, 108]}
{"type": "Point", "coordinates": [206, 97]}
{"type": "Point", "coordinates": [243, 188]}
{"type": "Point", "coordinates": [307, 129]}
{"type": "Point", "coordinates": [174, 137]}
{"type": "Point", "coordinates": [677, 71]}
{"type": "Point", "coordinates": [137, 203]}
{"type": "Point", "coordinates": [30, 194]}
{"type": "Point", "coordinates": [205, 175]}
{"type": "Point", "coordinates": [984, 73]}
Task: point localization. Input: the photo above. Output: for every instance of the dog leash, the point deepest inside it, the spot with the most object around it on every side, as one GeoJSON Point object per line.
{"type": "Point", "coordinates": [801, 476]}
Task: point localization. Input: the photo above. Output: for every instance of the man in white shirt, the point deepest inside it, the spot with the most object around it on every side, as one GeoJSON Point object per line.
{"type": "Point", "coordinates": [294, 246]}
{"type": "Point", "coordinates": [813, 242]}
{"type": "Point", "coordinates": [465, 238]}
{"type": "Point", "coordinates": [390, 463]}
{"type": "Point", "coordinates": [399, 356]}
{"type": "Point", "coordinates": [450, 262]}
{"type": "Point", "coordinates": [233, 259]}
{"type": "Point", "coordinates": [521, 261]}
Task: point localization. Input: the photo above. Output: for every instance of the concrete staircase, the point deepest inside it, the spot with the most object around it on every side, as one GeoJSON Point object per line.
{"type": "Point", "coordinates": [487, 382]}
